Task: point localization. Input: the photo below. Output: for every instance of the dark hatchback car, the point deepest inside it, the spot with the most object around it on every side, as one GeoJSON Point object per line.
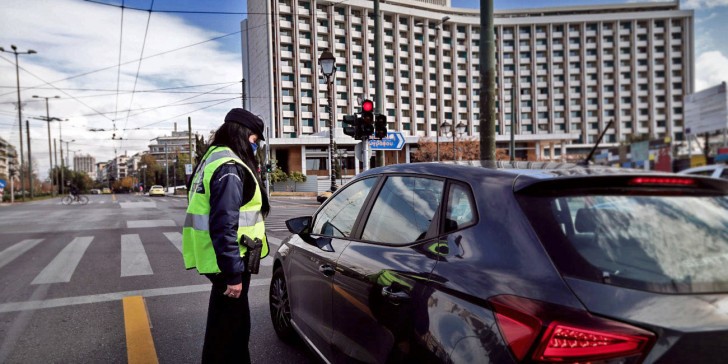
{"type": "Point", "coordinates": [531, 262]}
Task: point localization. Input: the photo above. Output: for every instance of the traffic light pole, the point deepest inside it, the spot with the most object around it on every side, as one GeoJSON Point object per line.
{"type": "Point", "coordinates": [378, 78]}
{"type": "Point", "coordinates": [365, 150]}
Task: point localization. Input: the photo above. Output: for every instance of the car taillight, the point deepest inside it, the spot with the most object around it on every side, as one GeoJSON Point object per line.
{"type": "Point", "coordinates": [552, 333]}
{"type": "Point", "coordinates": [662, 181]}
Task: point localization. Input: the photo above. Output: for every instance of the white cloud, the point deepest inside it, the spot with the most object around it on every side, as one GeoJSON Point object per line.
{"type": "Point", "coordinates": [711, 68]}
{"type": "Point", "coordinates": [74, 37]}
{"type": "Point", "coordinates": [701, 4]}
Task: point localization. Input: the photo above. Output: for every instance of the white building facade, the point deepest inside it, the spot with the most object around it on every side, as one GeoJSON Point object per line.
{"type": "Point", "coordinates": [573, 70]}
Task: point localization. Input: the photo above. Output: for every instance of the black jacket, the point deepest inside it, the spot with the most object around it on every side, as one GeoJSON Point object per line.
{"type": "Point", "coordinates": [231, 187]}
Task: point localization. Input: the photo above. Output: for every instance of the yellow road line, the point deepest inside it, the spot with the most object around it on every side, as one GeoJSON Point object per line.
{"type": "Point", "coordinates": [139, 342]}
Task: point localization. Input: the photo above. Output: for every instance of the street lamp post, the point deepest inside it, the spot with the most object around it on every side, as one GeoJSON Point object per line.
{"type": "Point", "coordinates": [20, 113]}
{"type": "Point", "coordinates": [328, 67]}
{"type": "Point", "coordinates": [144, 175]}
{"type": "Point", "coordinates": [50, 155]}
{"type": "Point", "coordinates": [445, 127]}
{"type": "Point", "coordinates": [460, 128]}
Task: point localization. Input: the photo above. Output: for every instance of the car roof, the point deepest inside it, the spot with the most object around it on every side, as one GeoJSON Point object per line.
{"type": "Point", "coordinates": [531, 170]}
{"type": "Point", "coordinates": [524, 175]}
{"type": "Point", "coordinates": [710, 167]}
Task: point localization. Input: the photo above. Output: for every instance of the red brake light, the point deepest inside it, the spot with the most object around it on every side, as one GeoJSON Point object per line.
{"type": "Point", "coordinates": [674, 181]}
{"type": "Point", "coordinates": [562, 342]}
{"type": "Point", "coordinates": [561, 334]}
{"type": "Point", "coordinates": [367, 106]}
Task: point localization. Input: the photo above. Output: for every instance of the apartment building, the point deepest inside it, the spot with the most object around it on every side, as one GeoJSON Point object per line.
{"type": "Point", "coordinates": [8, 159]}
{"type": "Point", "coordinates": [571, 71]}
{"type": "Point", "coordinates": [85, 163]}
{"type": "Point", "coordinates": [164, 148]}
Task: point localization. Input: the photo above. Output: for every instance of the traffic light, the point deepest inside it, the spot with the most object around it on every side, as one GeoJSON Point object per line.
{"type": "Point", "coordinates": [269, 167]}
{"type": "Point", "coordinates": [367, 118]}
{"type": "Point", "coordinates": [350, 126]}
{"type": "Point", "coordinates": [380, 126]}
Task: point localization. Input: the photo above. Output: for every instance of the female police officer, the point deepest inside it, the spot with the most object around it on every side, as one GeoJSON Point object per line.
{"type": "Point", "coordinates": [227, 202]}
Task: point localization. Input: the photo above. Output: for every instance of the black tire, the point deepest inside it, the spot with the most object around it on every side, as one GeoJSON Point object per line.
{"type": "Point", "coordinates": [83, 200]}
{"type": "Point", "coordinates": [280, 307]}
{"type": "Point", "coordinates": [67, 200]}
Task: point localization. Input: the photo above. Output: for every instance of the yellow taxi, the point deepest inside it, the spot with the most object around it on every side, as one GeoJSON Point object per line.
{"type": "Point", "coordinates": [156, 190]}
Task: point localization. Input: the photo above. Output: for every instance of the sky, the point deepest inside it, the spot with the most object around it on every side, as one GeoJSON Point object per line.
{"type": "Point", "coordinates": [191, 67]}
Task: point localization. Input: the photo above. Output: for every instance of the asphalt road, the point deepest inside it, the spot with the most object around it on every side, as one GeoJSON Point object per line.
{"type": "Point", "coordinates": [106, 283]}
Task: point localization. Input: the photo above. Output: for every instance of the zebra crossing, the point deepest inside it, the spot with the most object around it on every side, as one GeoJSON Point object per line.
{"type": "Point", "coordinates": [134, 259]}
{"type": "Point", "coordinates": [276, 221]}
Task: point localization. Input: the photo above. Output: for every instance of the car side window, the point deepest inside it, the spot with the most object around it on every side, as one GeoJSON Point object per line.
{"type": "Point", "coordinates": [460, 208]}
{"type": "Point", "coordinates": [337, 217]}
{"type": "Point", "coordinates": [404, 210]}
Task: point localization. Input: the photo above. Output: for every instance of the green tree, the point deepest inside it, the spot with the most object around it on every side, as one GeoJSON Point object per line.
{"type": "Point", "coordinates": [200, 148]}
{"type": "Point", "coordinates": [297, 177]}
{"type": "Point", "coordinates": [278, 175]}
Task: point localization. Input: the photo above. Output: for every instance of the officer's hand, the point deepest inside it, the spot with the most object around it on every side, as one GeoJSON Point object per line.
{"type": "Point", "coordinates": [233, 290]}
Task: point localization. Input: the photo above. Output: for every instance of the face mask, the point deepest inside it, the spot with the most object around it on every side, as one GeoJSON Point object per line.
{"type": "Point", "coordinates": [255, 147]}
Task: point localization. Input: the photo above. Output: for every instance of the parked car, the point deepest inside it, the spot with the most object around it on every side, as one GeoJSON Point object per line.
{"type": "Point", "coordinates": [95, 191]}
{"type": "Point", "coordinates": [527, 262]}
{"type": "Point", "coordinates": [321, 198]}
{"type": "Point", "coordinates": [713, 170]}
{"type": "Point", "coordinates": [106, 190]}
{"type": "Point", "coordinates": [156, 190]}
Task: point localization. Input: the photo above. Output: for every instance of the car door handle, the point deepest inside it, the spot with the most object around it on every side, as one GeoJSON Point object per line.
{"type": "Point", "coordinates": [393, 295]}
{"type": "Point", "coordinates": [327, 270]}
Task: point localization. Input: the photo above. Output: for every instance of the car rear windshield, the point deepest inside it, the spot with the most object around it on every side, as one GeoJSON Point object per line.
{"type": "Point", "coordinates": [672, 244]}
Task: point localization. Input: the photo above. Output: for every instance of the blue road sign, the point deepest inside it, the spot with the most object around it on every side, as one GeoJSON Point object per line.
{"type": "Point", "coordinates": [393, 141]}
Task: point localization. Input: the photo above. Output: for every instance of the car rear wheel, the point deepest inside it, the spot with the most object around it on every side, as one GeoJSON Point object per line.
{"type": "Point", "coordinates": [280, 307]}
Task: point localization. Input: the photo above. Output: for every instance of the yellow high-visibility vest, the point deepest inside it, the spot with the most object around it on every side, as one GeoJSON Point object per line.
{"type": "Point", "coordinates": [197, 249]}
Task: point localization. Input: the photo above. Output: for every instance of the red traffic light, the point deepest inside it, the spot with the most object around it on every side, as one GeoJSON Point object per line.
{"type": "Point", "coordinates": [367, 106]}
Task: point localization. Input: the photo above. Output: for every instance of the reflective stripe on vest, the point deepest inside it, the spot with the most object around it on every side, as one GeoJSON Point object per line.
{"type": "Point", "coordinates": [197, 248]}
{"type": "Point", "coordinates": [202, 222]}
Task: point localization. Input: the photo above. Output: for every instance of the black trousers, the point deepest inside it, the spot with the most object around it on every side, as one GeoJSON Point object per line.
{"type": "Point", "coordinates": [228, 324]}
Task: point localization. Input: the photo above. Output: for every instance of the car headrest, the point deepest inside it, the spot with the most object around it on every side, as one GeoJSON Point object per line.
{"type": "Point", "coordinates": [585, 221]}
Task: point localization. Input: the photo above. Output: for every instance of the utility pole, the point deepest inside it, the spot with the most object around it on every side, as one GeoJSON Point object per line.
{"type": "Point", "coordinates": [378, 76]}
{"type": "Point", "coordinates": [487, 82]}
{"type": "Point", "coordinates": [55, 156]}
{"type": "Point", "coordinates": [50, 156]}
{"type": "Point", "coordinates": [189, 131]}
{"type": "Point", "coordinates": [30, 163]}
{"type": "Point", "coordinates": [166, 169]}
{"type": "Point", "coordinates": [20, 113]}
{"type": "Point", "coordinates": [512, 151]}
{"type": "Point", "coordinates": [244, 94]}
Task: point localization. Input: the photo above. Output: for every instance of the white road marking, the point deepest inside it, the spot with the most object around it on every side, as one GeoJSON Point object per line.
{"type": "Point", "coordinates": [137, 205]}
{"type": "Point", "coordinates": [176, 239]}
{"type": "Point", "coordinates": [134, 261]}
{"type": "Point", "coordinates": [114, 296]}
{"type": "Point", "coordinates": [149, 223]}
{"type": "Point", "coordinates": [14, 251]}
{"type": "Point", "coordinates": [61, 268]}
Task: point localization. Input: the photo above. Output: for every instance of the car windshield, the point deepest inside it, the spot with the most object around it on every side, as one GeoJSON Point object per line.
{"type": "Point", "coordinates": [656, 243]}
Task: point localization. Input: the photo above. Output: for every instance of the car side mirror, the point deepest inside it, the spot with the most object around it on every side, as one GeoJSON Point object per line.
{"type": "Point", "coordinates": [324, 244]}
{"type": "Point", "coordinates": [299, 225]}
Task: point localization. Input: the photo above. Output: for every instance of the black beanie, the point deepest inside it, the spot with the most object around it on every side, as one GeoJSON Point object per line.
{"type": "Point", "coordinates": [246, 119]}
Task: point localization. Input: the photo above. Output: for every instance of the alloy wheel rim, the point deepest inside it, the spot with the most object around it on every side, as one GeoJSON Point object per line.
{"type": "Point", "coordinates": [280, 304]}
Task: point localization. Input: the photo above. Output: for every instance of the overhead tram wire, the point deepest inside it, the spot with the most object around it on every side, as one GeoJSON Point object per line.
{"type": "Point", "coordinates": [118, 70]}
{"type": "Point", "coordinates": [125, 63]}
{"type": "Point", "coordinates": [111, 90]}
{"type": "Point", "coordinates": [167, 51]}
{"type": "Point", "coordinates": [57, 89]}
{"type": "Point", "coordinates": [139, 66]}
{"type": "Point", "coordinates": [152, 108]}
{"type": "Point", "coordinates": [187, 113]}
{"type": "Point", "coordinates": [176, 103]}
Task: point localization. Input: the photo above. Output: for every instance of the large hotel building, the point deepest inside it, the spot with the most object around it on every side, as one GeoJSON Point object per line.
{"type": "Point", "coordinates": [573, 69]}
